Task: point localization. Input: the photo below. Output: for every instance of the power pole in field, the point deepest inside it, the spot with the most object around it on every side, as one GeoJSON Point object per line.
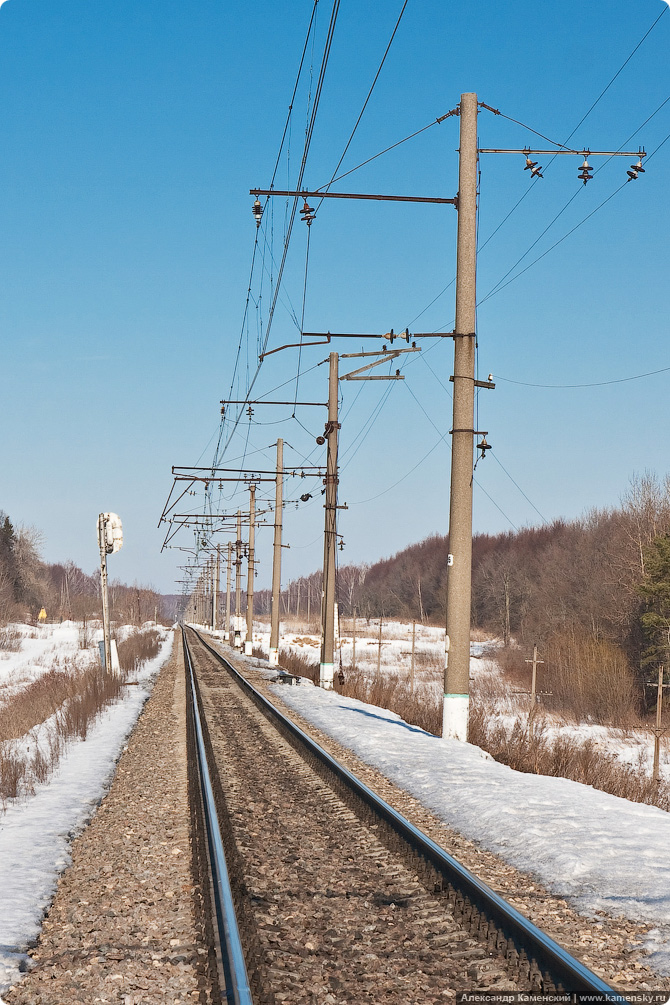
{"type": "Point", "coordinates": [251, 566]}
{"type": "Point", "coordinates": [533, 691]}
{"type": "Point", "coordinates": [276, 559]}
{"type": "Point", "coordinates": [659, 729]}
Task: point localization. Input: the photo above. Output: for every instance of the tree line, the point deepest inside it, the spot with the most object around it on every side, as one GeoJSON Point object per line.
{"type": "Point", "coordinates": [592, 592]}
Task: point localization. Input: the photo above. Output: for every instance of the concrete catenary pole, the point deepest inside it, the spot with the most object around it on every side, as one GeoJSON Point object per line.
{"type": "Point", "coordinates": [215, 591]}
{"type": "Point", "coordinates": [238, 581]}
{"type": "Point", "coordinates": [229, 565]}
{"type": "Point", "coordinates": [251, 566]}
{"type": "Point", "coordinates": [276, 559]}
{"type": "Point", "coordinates": [327, 666]}
{"type": "Point", "coordinates": [459, 572]}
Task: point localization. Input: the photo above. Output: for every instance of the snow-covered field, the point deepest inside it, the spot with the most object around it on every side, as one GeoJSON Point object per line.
{"type": "Point", "coordinates": [36, 831]}
{"type": "Point", "coordinates": [41, 647]}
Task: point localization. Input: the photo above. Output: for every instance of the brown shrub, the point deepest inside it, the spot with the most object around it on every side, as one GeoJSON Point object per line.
{"type": "Point", "coordinates": [392, 692]}
{"type": "Point", "coordinates": [12, 772]}
{"type": "Point", "coordinates": [39, 700]}
{"type": "Point", "coordinates": [138, 648]}
{"type": "Point", "coordinates": [10, 640]}
{"type": "Point", "coordinates": [299, 664]}
{"type": "Point", "coordinates": [563, 757]}
{"type": "Point", "coordinates": [588, 678]}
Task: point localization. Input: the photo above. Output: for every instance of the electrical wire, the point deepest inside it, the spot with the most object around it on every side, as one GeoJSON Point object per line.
{"type": "Point", "coordinates": [499, 462]}
{"type": "Point", "coordinates": [498, 288]}
{"type": "Point", "coordinates": [365, 429]}
{"type": "Point", "coordinates": [367, 99]}
{"type": "Point", "coordinates": [623, 65]}
{"type": "Point", "coordinates": [292, 214]}
{"type": "Point", "coordinates": [599, 383]}
{"type": "Point", "coordinates": [418, 464]}
{"type": "Point", "coordinates": [302, 318]}
{"type": "Point", "coordinates": [492, 500]}
{"type": "Point", "coordinates": [563, 145]}
{"type": "Point", "coordinates": [535, 242]}
{"type": "Point", "coordinates": [568, 203]}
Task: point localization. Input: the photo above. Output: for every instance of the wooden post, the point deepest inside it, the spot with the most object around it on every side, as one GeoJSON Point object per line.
{"type": "Point", "coordinates": [411, 667]}
{"type": "Point", "coordinates": [659, 729]}
{"type": "Point", "coordinates": [353, 651]}
{"type": "Point", "coordinates": [533, 691]}
{"type": "Point", "coordinates": [379, 649]}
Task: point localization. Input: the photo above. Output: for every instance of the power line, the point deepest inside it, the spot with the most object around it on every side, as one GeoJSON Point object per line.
{"type": "Point", "coordinates": [498, 288]}
{"type": "Point", "coordinates": [623, 65]}
{"type": "Point", "coordinates": [367, 99]}
{"type": "Point", "coordinates": [563, 145]}
{"type": "Point", "coordinates": [498, 461]}
{"type": "Point", "coordinates": [289, 229]}
{"type": "Point", "coordinates": [418, 464]}
{"type": "Point", "coordinates": [599, 383]}
{"type": "Point", "coordinates": [435, 122]}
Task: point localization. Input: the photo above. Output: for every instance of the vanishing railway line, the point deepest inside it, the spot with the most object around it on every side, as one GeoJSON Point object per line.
{"type": "Point", "coordinates": [336, 897]}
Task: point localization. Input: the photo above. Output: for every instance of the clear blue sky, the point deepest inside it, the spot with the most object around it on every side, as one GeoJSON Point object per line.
{"type": "Point", "coordinates": [130, 134]}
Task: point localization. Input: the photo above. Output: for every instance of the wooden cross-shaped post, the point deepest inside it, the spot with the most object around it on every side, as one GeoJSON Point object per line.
{"type": "Point", "coordinates": [659, 729]}
{"type": "Point", "coordinates": [379, 647]}
{"type": "Point", "coordinates": [533, 691]}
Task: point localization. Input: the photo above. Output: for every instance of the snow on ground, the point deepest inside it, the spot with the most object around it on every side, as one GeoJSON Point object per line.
{"type": "Point", "coordinates": [598, 851]}
{"type": "Point", "coordinates": [40, 646]}
{"type": "Point", "coordinates": [36, 832]}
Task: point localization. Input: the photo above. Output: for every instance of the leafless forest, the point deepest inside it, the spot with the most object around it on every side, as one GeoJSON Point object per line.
{"type": "Point", "coordinates": [593, 593]}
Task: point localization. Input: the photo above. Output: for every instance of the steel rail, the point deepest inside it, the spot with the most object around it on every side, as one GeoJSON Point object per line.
{"type": "Point", "coordinates": [235, 968]}
{"type": "Point", "coordinates": [552, 959]}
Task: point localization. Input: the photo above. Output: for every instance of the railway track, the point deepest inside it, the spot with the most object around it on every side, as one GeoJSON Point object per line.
{"type": "Point", "coordinates": [329, 895]}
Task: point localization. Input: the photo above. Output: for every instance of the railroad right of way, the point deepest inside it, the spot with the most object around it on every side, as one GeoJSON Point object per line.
{"type": "Point", "coordinates": [611, 947]}
{"type": "Point", "coordinates": [350, 905]}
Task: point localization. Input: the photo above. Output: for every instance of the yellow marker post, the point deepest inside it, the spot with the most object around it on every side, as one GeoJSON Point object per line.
{"type": "Point", "coordinates": [42, 616]}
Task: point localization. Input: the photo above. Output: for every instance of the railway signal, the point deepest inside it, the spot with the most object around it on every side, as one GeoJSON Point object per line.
{"type": "Point", "coordinates": [110, 540]}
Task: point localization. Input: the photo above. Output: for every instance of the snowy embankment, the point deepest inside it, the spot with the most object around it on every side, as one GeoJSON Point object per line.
{"type": "Point", "coordinates": [36, 831]}
{"type": "Point", "coordinates": [600, 852]}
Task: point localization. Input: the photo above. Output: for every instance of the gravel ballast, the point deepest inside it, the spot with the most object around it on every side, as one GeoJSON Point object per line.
{"type": "Point", "coordinates": [125, 924]}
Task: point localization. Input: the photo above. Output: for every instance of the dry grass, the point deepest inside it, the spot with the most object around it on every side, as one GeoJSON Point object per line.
{"type": "Point", "coordinates": [393, 692]}
{"type": "Point", "coordinates": [138, 649]}
{"type": "Point", "coordinates": [10, 640]}
{"type": "Point", "coordinates": [70, 697]}
{"type": "Point", "coordinates": [563, 757]}
{"type": "Point", "coordinates": [299, 664]}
